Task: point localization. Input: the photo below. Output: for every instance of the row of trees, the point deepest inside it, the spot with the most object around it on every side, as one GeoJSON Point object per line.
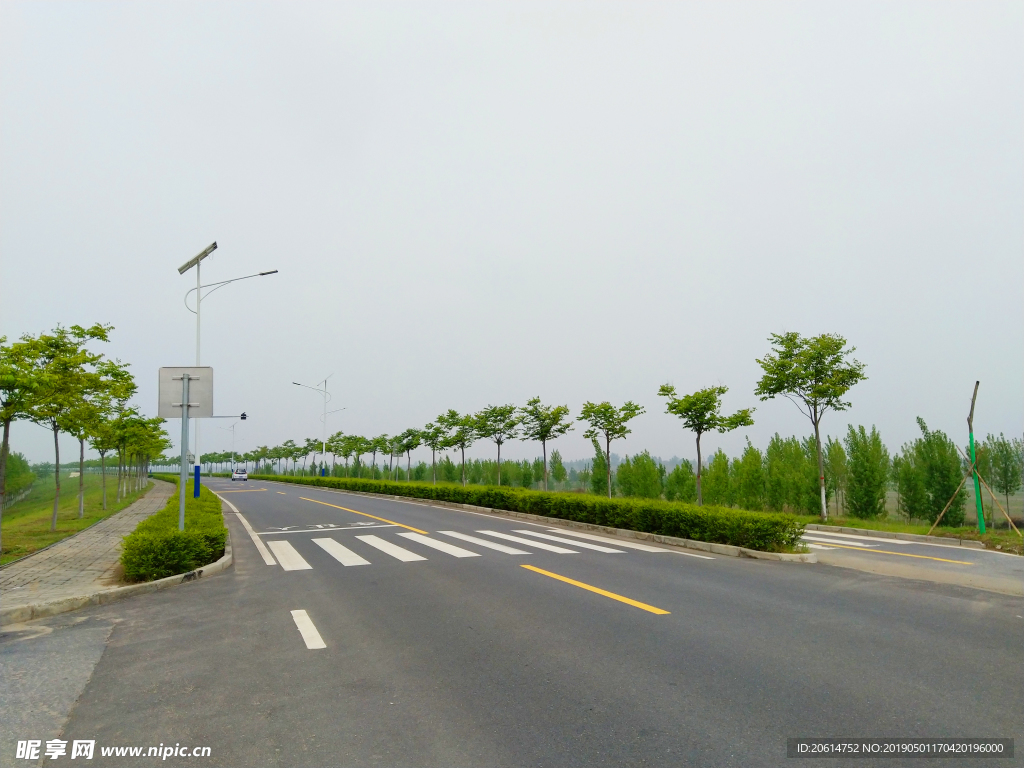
{"type": "Point", "coordinates": [815, 373]}
{"type": "Point", "coordinates": [55, 381]}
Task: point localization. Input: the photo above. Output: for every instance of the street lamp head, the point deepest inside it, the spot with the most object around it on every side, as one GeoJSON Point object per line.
{"type": "Point", "coordinates": [271, 272]}
{"type": "Point", "coordinates": [199, 257]}
{"type": "Point", "coordinates": [243, 417]}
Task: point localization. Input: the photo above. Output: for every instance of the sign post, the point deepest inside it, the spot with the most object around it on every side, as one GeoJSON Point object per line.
{"type": "Point", "coordinates": [196, 392]}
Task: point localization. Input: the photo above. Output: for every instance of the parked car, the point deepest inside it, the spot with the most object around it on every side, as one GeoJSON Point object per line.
{"type": "Point", "coordinates": [239, 474]}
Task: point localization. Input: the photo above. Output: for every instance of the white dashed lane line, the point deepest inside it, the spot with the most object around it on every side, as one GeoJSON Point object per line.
{"type": "Point", "coordinates": [310, 636]}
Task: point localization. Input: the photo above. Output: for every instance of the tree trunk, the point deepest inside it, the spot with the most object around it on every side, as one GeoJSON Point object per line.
{"type": "Point", "coordinates": [3, 467]}
{"type": "Point", "coordinates": [408, 466]}
{"type": "Point", "coordinates": [56, 477]}
{"type": "Point", "coordinates": [433, 464]}
{"type": "Point", "coordinates": [499, 465]}
{"type": "Point", "coordinates": [103, 477]}
{"type": "Point", "coordinates": [81, 478]}
{"type": "Point", "coordinates": [544, 450]}
{"type": "Point", "coordinates": [700, 496]}
{"type": "Point", "coordinates": [608, 463]}
{"type": "Point", "coordinates": [463, 447]}
{"type": "Point", "coordinates": [821, 467]}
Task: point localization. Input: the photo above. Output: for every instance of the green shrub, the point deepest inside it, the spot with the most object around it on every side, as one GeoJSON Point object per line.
{"type": "Point", "coordinates": [764, 531]}
{"type": "Point", "coordinates": [156, 548]}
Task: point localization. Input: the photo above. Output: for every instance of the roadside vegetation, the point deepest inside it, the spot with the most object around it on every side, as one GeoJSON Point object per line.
{"type": "Point", "coordinates": [27, 526]}
{"type": "Point", "coordinates": [157, 549]}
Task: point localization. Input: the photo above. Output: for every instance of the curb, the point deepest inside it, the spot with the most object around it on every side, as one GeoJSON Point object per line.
{"type": "Point", "coordinates": [949, 541]}
{"type": "Point", "coordinates": [22, 613]}
{"type": "Point", "coordinates": [718, 549]}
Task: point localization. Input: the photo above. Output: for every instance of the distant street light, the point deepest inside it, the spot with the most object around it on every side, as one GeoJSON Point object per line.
{"type": "Point", "coordinates": [196, 262]}
{"type": "Point", "coordinates": [323, 418]}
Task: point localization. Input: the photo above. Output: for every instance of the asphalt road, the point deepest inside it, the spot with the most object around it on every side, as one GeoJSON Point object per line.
{"type": "Point", "coordinates": [480, 657]}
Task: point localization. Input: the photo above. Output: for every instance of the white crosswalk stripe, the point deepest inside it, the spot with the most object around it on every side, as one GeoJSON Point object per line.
{"type": "Point", "coordinates": [288, 556]}
{"type": "Point", "coordinates": [846, 543]}
{"type": "Point", "coordinates": [391, 549]}
{"type": "Point", "coordinates": [484, 543]}
{"type": "Point", "coordinates": [585, 545]}
{"type": "Point", "coordinates": [441, 546]}
{"type": "Point", "coordinates": [339, 552]}
{"type": "Point", "coordinates": [527, 542]}
{"type": "Point", "coordinates": [626, 544]}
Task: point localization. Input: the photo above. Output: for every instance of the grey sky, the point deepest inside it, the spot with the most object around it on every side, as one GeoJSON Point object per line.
{"type": "Point", "coordinates": [476, 203]}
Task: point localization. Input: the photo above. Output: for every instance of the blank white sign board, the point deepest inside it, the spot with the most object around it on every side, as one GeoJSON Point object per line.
{"type": "Point", "coordinates": [200, 392]}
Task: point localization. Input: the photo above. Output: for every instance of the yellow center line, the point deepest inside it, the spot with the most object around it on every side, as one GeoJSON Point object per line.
{"type": "Point", "coordinates": [281, 492]}
{"type": "Point", "coordinates": [612, 595]}
{"type": "Point", "coordinates": [364, 514]}
{"type": "Point", "coordinates": [901, 554]}
{"type": "Point", "coordinates": [248, 490]}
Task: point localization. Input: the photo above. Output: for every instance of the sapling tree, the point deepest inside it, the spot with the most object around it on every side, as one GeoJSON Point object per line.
{"type": "Point", "coordinates": [543, 423]}
{"type": "Point", "coordinates": [19, 377]}
{"type": "Point", "coordinates": [498, 423]}
{"type": "Point", "coordinates": [702, 412]}
{"type": "Point", "coordinates": [1006, 458]}
{"type": "Point", "coordinates": [435, 435]}
{"type": "Point", "coordinates": [409, 441]}
{"type": "Point", "coordinates": [815, 373]}
{"type": "Point", "coordinates": [608, 422]}
{"type": "Point", "coordinates": [461, 432]}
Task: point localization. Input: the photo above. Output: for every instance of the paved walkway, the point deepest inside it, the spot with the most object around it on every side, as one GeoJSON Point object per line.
{"type": "Point", "coordinates": [82, 564]}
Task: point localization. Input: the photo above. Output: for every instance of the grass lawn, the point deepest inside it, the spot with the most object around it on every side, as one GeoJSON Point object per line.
{"type": "Point", "coordinates": [26, 525]}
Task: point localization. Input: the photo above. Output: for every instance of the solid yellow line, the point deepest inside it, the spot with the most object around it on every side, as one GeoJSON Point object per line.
{"type": "Point", "coordinates": [364, 514]}
{"type": "Point", "coordinates": [251, 490]}
{"type": "Point", "coordinates": [612, 595]}
{"type": "Point", "coordinates": [901, 554]}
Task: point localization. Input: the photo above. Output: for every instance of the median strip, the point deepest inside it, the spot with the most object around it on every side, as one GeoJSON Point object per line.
{"type": "Point", "coordinates": [598, 590]}
{"type": "Point", "coordinates": [364, 514]}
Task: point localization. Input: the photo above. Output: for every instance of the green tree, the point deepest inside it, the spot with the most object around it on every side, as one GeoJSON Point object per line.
{"type": "Point", "coordinates": [66, 376]}
{"type": "Point", "coordinates": [716, 480]}
{"type": "Point", "coordinates": [815, 373]}
{"type": "Point", "coordinates": [435, 435]}
{"type": "Point", "coordinates": [599, 472]}
{"type": "Point", "coordinates": [908, 478]}
{"type": "Point", "coordinates": [409, 441]}
{"type": "Point", "coordinates": [702, 412]}
{"type": "Point", "coordinates": [608, 422]}
{"type": "Point", "coordinates": [461, 432]}
{"type": "Point", "coordinates": [557, 467]}
{"type": "Point", "coordinates": [869, 471]}
{"type": "Point", "coordinates": [681, 483]}
{"type": "Point", "coordinates": [836, 470]}
{"type": "Point", "coordinates": [19, 377]}
{"type": "Point", "coordinates": [498, 423]}
{"type": "Point", "coordinates": [940, 464]}
{"type": "Point", "coordinates": [640, 477]}
{"type": "Point", "coordinates": [749, 479]}
{"type": "Point", "coordinates": [1007, 457]}
{"type": "Point", "coordinates": [543, 423]}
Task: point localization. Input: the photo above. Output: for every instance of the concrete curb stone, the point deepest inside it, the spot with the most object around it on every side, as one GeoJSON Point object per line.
{"type": "Point", "coordinates": [719, 549]}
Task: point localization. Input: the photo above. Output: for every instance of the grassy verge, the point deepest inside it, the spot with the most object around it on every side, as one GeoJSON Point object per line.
{"type": "Point", "coordinates": [763, 531]}
{"type": "Point", "coordinates": [26, 525]}
{"type": "Point", "coordinates": [157, 549]}
{"type": "Point", "coordinates": [1002, 539]}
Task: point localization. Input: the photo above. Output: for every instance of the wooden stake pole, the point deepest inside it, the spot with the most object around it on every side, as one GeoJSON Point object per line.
{"type": "Point", "coordinates": [990, 493]}
{"type": "Point", "coordinates": [937, 519]}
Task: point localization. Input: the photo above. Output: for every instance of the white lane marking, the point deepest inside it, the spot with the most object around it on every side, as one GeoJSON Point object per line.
{"type": "Point", "coordinates": [529, 543]}
{"type": "Point", "coordinates": [308, 631]}
{"type": "Point", "coordinates": [289, 558]}
{"type": "Point", "coordinates": [267, 558]}
{"type": "Point", "coordinates": [326, 529]}
{"type": "Point", "coordinates": [484, 543]}
{"type": "Point", "coordinates": [391, 549]}
{"type": "Point", "coordinates": [833, 541]}
{"type": "Point", "coordinates": [616, 542]}
{"type": "Point", "coordinates": [342, 554]}
{"type": "Point", "coordinates": [585, 545]}
{"type": "Point", "coordinates": [857, 539]}
{"type": "Point", "coordinates": [443, 546]}
{"type": "Point", "coordinates": [818, 546]}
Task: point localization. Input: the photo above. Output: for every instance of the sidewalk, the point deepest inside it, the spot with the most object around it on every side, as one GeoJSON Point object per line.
{"type": "Point", "coordinates": [80, 565]}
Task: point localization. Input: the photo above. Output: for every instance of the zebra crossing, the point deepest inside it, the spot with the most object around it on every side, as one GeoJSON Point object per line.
{"type": "Point", "coordinates": [371, 547]}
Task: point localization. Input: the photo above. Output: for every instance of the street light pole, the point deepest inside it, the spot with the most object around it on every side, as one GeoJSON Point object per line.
{"type": "Point", "coordinates": [323, 418]}
{"type": "Point", "coordinates": [197, 262]}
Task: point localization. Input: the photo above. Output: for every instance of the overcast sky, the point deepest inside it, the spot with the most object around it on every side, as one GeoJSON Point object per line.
{"type": "Point", "coordinates": [474, 203]}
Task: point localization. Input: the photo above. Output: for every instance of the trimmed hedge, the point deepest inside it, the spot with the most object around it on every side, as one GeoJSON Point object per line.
{"type": "Point", "coordinates": [765, 531]}
{"type": "Point", "coordinates": [156, 548]}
